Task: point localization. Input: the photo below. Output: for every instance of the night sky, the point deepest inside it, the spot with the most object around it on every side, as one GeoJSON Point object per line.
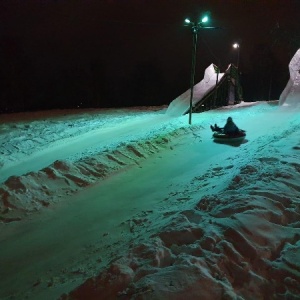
{"type": "Point", "coordinates": [117, 53]}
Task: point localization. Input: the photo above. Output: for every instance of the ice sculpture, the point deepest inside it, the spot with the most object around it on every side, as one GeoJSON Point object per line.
{"type": "Point", "coordinates": [291, 94]}
{"type": "Point", "coordinates": [181, 104]}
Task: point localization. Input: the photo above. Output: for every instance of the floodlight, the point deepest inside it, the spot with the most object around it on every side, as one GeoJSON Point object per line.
{"type": "Point", "coordinates": [204, 19]}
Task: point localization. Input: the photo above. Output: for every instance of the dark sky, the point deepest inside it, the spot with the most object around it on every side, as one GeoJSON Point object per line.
{"type": "Point", "coordinates": [124, 53]}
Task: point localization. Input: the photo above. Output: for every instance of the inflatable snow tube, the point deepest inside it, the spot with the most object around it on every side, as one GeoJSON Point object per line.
{"type": "Point", "coordinates": [226, 138]}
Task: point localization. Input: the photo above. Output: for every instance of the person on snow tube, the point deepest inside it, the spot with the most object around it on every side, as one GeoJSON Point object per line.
{"type": "Point", "coordinates": [230, 128]}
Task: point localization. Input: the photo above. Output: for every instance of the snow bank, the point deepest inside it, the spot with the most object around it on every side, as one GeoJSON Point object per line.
{"type": "Point", "coordinates": [34, 190]}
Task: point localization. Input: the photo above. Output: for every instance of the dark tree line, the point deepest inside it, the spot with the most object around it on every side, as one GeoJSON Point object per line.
{"type": "Point", "coordinates": [95, 83]}
{"type": "Point", "coordinates": [266, 77]}
{"type": "Point", "coordinates": [15, 79]}
{"type": "Point", "coordinates": [269, 72]}
{"type": "Point", "coordinates": [25, 86]}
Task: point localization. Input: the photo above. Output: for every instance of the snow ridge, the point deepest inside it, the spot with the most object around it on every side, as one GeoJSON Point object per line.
{"type": "Point", "coordinates": [31, 192]}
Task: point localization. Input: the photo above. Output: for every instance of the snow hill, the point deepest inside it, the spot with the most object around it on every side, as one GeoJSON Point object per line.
{"type": "Point", "coordinates": [135, 204]}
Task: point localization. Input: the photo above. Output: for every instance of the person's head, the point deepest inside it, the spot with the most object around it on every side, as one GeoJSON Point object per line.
{"type": "Point", "coordinates": [229, 119]}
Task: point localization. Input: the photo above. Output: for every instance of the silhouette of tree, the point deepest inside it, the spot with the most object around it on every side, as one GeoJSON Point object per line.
{"type": "Point", "coordinates": [147, 84]}
{"type": "Point", "coordinates": [265, 80]}
{"type": "Point", "coordinates": [15, 76]}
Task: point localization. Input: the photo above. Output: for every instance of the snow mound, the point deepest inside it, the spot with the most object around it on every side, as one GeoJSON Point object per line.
{"type": "Point", "coordinates": [242, 243]}
{"type": "Point", "coordinates": [32, 191]}
{"type": "Point", "coordinates": [291, 94]}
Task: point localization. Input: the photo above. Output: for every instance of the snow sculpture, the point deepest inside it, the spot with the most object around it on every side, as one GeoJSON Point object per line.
{"type": "Point", "coordinates": [291, 94]}
{"type": "Point", "coordinates": [181, 104]}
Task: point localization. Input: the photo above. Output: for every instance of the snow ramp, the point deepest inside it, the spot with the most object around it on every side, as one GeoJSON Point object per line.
{"type": "Point", "coordinates": [290, 96]}
{"type": "Point", "coordinates": [214, 90]}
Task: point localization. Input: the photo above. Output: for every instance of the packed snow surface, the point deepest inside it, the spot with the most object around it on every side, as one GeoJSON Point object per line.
{"type": "Point", "coordinates": [136, 204]}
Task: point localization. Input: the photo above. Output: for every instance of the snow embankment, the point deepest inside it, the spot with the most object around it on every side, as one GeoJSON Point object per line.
{"type": "Point", "coordinates": [49, 159]}
{"type": "Point", "coordinates": [242, 243]}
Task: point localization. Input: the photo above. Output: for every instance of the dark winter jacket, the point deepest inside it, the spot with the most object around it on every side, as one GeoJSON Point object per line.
{"type": "Point", "coordinates": [230, 127]}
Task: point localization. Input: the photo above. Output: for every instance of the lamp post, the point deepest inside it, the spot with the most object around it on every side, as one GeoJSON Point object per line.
{"type": "Point", "coordinates": [195, 27]}
{"type": "Point", "coordinates": [237, 46]}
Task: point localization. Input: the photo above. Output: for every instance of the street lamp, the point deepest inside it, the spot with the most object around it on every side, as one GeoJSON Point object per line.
{"type": "Point", "coordinates": [195, 29]}
{"type": "Point", "coordinates": [237, 46]}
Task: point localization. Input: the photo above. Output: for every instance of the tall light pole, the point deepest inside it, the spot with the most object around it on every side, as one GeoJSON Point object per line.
{"type": "Point", "coordinates": [237, 46]}
{"type": "Point", "coordinates": [195, 29]}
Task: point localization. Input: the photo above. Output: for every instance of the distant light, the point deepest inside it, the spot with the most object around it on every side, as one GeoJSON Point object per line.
{"type": "Point", "coordinates": [187, 21]}
{"type": "Point", "coordinates": [236, 45]}
{"type": "Point", "coordinates": [204, 19]}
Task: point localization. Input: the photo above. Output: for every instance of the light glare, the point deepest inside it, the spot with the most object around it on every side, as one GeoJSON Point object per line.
{"type": "Point", "coordinates": [187, 21]}
{"type": "Point", "coordinates": [204, 19]}
{"type": "Point", "coordinates": [235, 45]}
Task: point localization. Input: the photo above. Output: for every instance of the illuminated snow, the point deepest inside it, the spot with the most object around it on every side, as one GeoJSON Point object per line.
{"type": "Point", "coordinates": [291, 94]}
{"type": "Point", "coordinates": [135, 204]}
{"type": "Point", "coordinates": [181, 104]}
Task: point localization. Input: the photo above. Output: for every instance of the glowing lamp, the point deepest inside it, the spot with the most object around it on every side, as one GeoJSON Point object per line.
{"type": "Point", "coordinates": [204, 19]}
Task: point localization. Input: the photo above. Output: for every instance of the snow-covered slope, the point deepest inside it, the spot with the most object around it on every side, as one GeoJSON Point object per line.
{"type": "Point", "coordinates": [134, 204]}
